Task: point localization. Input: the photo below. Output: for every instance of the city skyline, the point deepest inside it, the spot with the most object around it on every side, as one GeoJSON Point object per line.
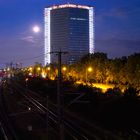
{"type": "Point", "coordinates": [117, 28]}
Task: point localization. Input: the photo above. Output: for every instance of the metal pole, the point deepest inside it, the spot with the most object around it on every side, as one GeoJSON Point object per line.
{"type": "Point", "coordinates": [59, 99]}
{"type": "Point", "coordinates": [60, 96]}
{"type": "Point", "coordinates": [47, 117]}
{"type": "Point", "coordinates": [59, 86]}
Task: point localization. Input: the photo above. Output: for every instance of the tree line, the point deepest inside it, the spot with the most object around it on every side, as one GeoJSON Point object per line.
{"type": "Point", "coordinates": [123, 72]}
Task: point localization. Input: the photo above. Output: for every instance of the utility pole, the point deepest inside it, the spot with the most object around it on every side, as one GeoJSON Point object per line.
{"type": "Point", "coordinates": [60, 97]}
{"type": "Point", "coordinates": [47, 117]}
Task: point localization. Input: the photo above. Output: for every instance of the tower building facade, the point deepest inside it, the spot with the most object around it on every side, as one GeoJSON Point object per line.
{"type": "Point", "coordinates": [68, 28]}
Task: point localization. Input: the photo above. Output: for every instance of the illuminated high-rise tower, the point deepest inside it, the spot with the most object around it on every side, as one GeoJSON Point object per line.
{"type": "Point", "coordinates": [69, 28]}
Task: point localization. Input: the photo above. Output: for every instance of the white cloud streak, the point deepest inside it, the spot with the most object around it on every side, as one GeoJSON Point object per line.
{"type": "Point", "coordinates": [28, 39]}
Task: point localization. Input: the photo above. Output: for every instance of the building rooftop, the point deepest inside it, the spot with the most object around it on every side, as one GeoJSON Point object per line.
{"type": "Point", "coordinates": [70, 6]}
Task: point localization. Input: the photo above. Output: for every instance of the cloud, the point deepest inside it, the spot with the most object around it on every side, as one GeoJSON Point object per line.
{"type": "Point", "coordinates": [28, 39]}
{"type": "Point", "coordinates": [33, 39]}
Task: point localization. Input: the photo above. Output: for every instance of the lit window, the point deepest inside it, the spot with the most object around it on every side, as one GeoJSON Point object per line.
{"type": "Point", "coordinates": [77, 18]}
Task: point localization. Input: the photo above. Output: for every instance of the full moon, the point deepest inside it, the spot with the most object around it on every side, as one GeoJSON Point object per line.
{"type": "Point", "coordinates": [36, 29]}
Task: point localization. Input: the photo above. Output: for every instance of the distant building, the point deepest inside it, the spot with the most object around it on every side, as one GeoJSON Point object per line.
{"type": "Point", "coordinates": [68, 28]}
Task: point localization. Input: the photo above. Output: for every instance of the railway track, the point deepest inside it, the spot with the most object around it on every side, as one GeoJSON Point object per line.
{"type": "Point", "coordinates": [6, 129]}
{"type": "Point", "coordinates": [75, 127]}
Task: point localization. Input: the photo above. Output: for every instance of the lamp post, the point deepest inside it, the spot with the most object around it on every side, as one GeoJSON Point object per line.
{"type": "Point", "coordinates": [60, 97]}
{"type": "Point", "coordinates": [64, 70]}
{"type": "Point", "coordinates": [38, 71]}
{"type": "Point", "coordinates": [48, 72]}
{"type": "Point", "coordinates": [89, 69]}
{"type": "Point", "coordinates": [30, 70]}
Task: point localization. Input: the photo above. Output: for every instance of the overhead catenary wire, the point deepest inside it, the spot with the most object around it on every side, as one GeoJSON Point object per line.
{"type": "Point", "coordinates": [26, 59]}
{"type": "Point", "coordinates": [29, 58]}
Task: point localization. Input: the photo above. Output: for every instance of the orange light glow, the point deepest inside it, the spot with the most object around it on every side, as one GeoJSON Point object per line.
{"type": "Point", "coordinates": [103, 87]}
{"type": "Point", "coordinates": [64, 68]}
{"type": "Point", "coordinates": [89, 69]}
{"type": "Point", "coordinates": [38, 68]}
{"type": "Point", "coordinates": [30, 68]}
{"type": "Point", "coordinates": [43, 74]}
{"type": "Point", "coordinates": [48, 68]}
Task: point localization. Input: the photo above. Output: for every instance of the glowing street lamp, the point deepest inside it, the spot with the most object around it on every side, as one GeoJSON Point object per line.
{"type": "Point", "coordinates": [38, 69]}
{"type": "Point", "coordinates": [48, 68]}
{"type": "Point", "coordinates": [89, 69]}
{"type": "Point", "coordinates": [43, 74]}
{"type": "Point", "coordinates": [64, 68]}
{"type": "Point", "coordinates": [48, 71]}
{"type": "Point", "coordinates": [30, 69]}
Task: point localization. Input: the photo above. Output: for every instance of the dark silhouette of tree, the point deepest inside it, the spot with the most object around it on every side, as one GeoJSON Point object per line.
{"type": "Point", "coordinates": [130, 92]}
{"type": "Point", "coordinates": [122, 71]}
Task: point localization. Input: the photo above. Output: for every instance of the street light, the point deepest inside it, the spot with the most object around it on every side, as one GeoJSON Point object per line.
{"type": "Point", "coordinates": [64, 71]}
{"type": "Point", "coordinates": [30, 69]}
{"type": "Point", "coordinates": [48, 71]}
{"type": "Point", "coordinates": [48, 68]}
{"type": "Point", "coordinates": [89, 69]}
{"type": "Point", "coordinates": [64, 68]}
{"type": "Point", "coordinates": [38, 69]}
{"type": "Point", "coordinates": [43, 74]}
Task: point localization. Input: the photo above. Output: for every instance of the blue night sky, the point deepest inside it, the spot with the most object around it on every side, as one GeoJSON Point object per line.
{"type": "Point", "coordinates": [117, 28]}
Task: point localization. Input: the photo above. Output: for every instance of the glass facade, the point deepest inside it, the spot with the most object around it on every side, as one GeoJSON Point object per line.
{"type": "Point", "coordinates": [59, 32]}
{"type": "Point", "coordinates": [78, 33]}
{"type": "Point", "coordinates": [70, 31]}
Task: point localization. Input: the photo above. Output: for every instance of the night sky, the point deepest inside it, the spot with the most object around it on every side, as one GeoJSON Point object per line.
{"type": "Point", "coordinates": [117, 28]}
